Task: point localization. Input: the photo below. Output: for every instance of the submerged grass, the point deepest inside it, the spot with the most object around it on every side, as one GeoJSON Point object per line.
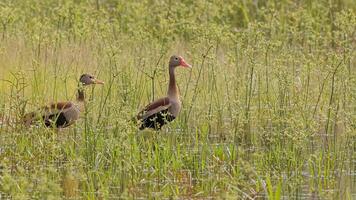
{"type": "Point", "coordinates": [268, 108]}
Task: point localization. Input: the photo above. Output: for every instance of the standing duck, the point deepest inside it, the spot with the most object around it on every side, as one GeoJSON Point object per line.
{"type": "Point", "coordinates": [62, 114]}
{"type": "Point", "coordinates": [166, 109]}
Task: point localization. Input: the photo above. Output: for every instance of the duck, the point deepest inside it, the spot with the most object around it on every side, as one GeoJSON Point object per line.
{"type": "Point", "coordinates": [165, 109]}
{"type": "Point", "coordinates": [64, 113]}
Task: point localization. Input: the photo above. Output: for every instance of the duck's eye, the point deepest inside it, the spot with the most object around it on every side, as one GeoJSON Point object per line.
{"type": "Point", "coordinates": [91, 77]}
{"type": "Point", "coordinates": [175, 58]}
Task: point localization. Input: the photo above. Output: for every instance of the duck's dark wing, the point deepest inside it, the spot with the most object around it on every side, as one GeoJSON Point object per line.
{"type": "Point", "coordinates": [157, 120]}
{"type": "Point", "coordinates": [154, 107]}
{"type": "Point", "coordinates": [52, 115]}
{"type": "Point", "coordinates": [156, 114]}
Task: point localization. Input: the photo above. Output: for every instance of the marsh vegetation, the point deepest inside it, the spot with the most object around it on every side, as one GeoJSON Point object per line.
{"type": "Point", "coordinates": [268, 109]}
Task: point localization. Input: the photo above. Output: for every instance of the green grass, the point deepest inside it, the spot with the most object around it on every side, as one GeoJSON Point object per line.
{"type": "Point", "coordinates": [268, 108]}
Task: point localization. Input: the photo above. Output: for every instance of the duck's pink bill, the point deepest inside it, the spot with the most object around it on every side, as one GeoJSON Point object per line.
{"type": "Point", "coordinates": [99, 81]}
{"type": "Point", "coordinates": [184, 64]}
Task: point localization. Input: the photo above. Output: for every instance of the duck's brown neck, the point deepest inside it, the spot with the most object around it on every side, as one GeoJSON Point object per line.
{"type": "Point", "coordinates": [172, 87]}
{"type": "Point", "coordinates": [80, 94]}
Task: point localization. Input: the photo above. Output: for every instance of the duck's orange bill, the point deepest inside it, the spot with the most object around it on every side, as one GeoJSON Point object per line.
{"type": "Point", "coordinates": [96, 81]}
{"type": "Point", "coordinates": [184, 64]}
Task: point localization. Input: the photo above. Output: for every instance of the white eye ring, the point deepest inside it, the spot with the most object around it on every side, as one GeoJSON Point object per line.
{"type": "Point", "coordinates": [176, 58]}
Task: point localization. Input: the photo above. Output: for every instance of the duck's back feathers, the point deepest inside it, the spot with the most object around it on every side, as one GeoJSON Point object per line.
{"type": "Point", "coordinates": [59, 115]}
{"type": "Point", "coordinates": [154, 107]}
{"type": "Point", "coordinates": [156, 114]}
